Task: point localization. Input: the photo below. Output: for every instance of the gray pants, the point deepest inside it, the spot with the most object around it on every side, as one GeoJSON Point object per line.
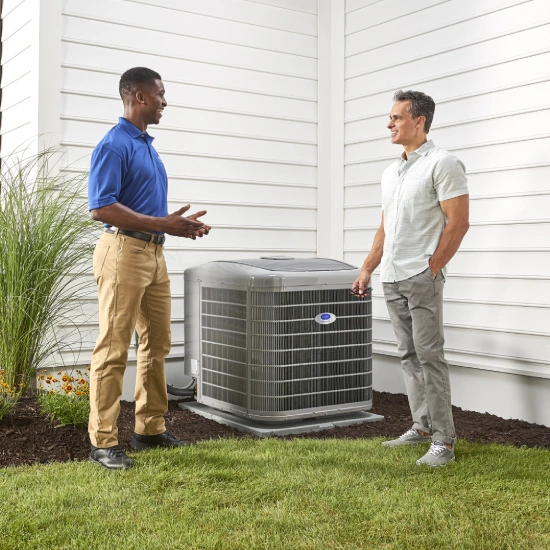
{"type": "Point", "coordinates": [415, 306]}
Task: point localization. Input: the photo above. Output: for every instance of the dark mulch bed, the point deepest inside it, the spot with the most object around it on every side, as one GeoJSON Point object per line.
{"type": "Point", "coordinates": [27, 437]}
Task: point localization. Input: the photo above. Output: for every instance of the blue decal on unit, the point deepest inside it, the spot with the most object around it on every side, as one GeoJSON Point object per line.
{"type": "Point", "coordinates": [325, 318]}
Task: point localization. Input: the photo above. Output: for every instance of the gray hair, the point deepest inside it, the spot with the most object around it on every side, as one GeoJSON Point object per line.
{"type": "Point", "coordinates": [421, 105]}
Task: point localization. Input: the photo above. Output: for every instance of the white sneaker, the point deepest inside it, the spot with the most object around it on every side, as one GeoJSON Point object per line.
{"type": "Point", "coordinates": [438, 455]}
{"type": "Point", "coordinates": [410, 437]}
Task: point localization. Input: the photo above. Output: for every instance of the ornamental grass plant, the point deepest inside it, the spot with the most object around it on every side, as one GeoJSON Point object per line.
{"type": "Point", "coordinates": [45, 239]}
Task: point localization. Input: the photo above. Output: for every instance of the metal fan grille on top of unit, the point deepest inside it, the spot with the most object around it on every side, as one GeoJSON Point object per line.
{"type": "Point", "coordinates": [294, 265]}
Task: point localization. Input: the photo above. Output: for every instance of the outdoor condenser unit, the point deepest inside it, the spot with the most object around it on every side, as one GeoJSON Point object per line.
{"type": "Point", "coordinates": [275, 339]}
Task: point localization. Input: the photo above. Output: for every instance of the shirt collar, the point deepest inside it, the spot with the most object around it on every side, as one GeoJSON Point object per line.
{"type": "Point", "coordinates": [133, 131]}
{"type": "Point", "coordinates": [422, 150]}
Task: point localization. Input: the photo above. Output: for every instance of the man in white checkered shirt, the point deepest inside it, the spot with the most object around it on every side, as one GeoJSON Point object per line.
{"type": "Point", "coordinates": [425, 208]}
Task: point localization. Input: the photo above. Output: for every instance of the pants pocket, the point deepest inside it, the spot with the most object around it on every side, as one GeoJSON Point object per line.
{"type": "Point", "coordinates": [100, 255]}
{"type": "Point", "coordinates": [427, 274]}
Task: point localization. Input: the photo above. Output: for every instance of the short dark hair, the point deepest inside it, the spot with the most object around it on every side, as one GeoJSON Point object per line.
{"type": "Point", "coordinates": [135, 77]}
{"type": "Point", "coordinates": [421, 105]}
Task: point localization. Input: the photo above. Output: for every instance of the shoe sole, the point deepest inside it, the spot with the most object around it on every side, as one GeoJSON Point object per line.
{"type": "Point", "coordinates": [94, 461]}
{"type": "Point", "coordinates": [407, 443]}
{"type": "Point", "coordinates": [140, 446]}
{"type": "Point", "coordinates": [435, 465]}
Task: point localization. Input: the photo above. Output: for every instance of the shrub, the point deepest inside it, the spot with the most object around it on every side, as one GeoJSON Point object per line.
{"type": "Point", "coordinates": [45, 237]}
{"type": "Point", "coordinates": [65, 398]}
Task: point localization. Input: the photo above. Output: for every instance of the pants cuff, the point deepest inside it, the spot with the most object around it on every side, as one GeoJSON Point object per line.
{"type": "Point", "coordinates": [438, 436]}
{"type": "Point", "coordinates": [419, 427]}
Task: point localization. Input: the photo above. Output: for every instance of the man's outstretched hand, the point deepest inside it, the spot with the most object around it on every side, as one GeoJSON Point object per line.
{"type": "Point", "coordinates": [189, 227]}
{"type": "Point", "coordinates": [205, 229]}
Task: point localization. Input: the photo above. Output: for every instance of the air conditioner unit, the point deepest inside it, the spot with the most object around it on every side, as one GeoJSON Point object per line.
{"type": "Point", "coordinates": [275, 339]}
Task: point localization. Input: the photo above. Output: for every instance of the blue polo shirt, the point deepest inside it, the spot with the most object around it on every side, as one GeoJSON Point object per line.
{"type": "Point", "coordinates": [126, 168]}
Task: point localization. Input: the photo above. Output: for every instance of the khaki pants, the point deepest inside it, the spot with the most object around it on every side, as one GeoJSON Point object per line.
{"type": "Point", "coordinates": [134, 293]}
{"type": "Point", "coordinates": [415, 306]}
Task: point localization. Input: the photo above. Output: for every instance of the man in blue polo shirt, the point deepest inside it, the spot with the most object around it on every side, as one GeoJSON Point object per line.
{"type": "Point", "coordinates": [127, 191]}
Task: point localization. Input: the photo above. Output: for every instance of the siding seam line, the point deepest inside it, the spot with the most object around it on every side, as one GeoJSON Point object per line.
{"type": "Point", "coordinates": [192, 83]}
{"type": "Point", "coordinates": [449, 49]}
{"type": "Point", "coordinates": [178, 58]}
{"type": "Point", "coordinates": [443, 76]}
{"type": "Point", "coordinates": [484, 329]}
{"type": "Point", "coordinates": [364, 7]}
{"type": "Point", "coordinates": [226, 18]}
{"type": "Point", "coordinates": [281, 7]}
{"type": "Point", "coordinates": [197, 107]}
{"type": "Point", "coordinates": [142, 27]}
{"type": "Point", "coordinates": [196, 131]}
{"type": "Point", "coordinates": [461, 123]}
{"type": "Point", "coordinates": [6, 38]}
{"type": "Point", "coordinates": [4, 15]}
{"type": "Point", "coordinates": [465, 96]}
{"type": "Point", "coordinates": [459, 148]}
{"type": "Point", "coordinates": [213, 179]}
{"type": "Point", "coordinates": [451, 24]}
{"type": "Point", "coordinates": [206, 155]}
{"type": "Point", "coordinates": [398, 17]}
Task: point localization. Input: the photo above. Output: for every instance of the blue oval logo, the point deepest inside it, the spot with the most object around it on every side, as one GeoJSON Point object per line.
{"type": "Point", "coordinates": [325, 318]}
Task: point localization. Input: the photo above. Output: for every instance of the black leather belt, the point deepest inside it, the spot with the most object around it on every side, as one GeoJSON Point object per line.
{"type": "Point", "coordinates": [149, 237]}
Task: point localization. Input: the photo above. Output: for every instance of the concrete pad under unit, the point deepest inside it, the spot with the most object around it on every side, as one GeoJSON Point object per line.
{"type": "Point", "coordinates": [281, 428]}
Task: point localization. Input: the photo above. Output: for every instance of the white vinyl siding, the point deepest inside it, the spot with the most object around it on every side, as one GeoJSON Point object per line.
{"type": "Point", "coordinates": [18, 74]}
{"type": "Point", "coordinates": [257, 131]}
{"type": "Point", "coordinates": [486, 66]}
{"type": "Point", "coordinates": [239, 136]}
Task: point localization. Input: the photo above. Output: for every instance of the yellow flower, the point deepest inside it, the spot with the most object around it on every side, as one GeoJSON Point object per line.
{"type": "Point", "coordinates": [68, 388]}
{"type": "Point", "coordinates": [65, 378]}
{"type": "Point", "coordinates": [58, 372]}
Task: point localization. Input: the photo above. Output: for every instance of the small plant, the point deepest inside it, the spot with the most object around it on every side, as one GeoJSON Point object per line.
{"type": "Point", "coordinates": [8, 396]}
{"type": "Point", "coordinates": [64, 397]}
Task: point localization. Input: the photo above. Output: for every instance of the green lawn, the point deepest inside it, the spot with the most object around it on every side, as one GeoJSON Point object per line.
{"type": "Point", "coordinates": [315, 494]}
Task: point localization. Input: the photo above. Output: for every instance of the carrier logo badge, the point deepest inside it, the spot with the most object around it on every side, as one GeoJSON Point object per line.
{"type": "Point", "coordinates": [325, 318]}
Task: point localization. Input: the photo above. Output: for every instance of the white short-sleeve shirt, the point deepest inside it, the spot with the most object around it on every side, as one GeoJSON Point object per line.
{"type": "Point", "coordinates": [413, 220]}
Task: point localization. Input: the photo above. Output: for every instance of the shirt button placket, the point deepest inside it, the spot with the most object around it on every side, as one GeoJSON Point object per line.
{"type": "Point", "coordinates": [400, 177]}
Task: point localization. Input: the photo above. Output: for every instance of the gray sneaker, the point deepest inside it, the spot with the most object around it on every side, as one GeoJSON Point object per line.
{"type": "Point", "coordinates": [410, 437]}
{"type": "Point", "coordinates": [438, 455]}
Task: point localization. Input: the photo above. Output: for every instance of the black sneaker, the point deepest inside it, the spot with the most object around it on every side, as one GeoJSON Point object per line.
{"type": "Point", "coordinates": [112, 458]}
{"type": "Point", "coordinates": [166, 439]}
